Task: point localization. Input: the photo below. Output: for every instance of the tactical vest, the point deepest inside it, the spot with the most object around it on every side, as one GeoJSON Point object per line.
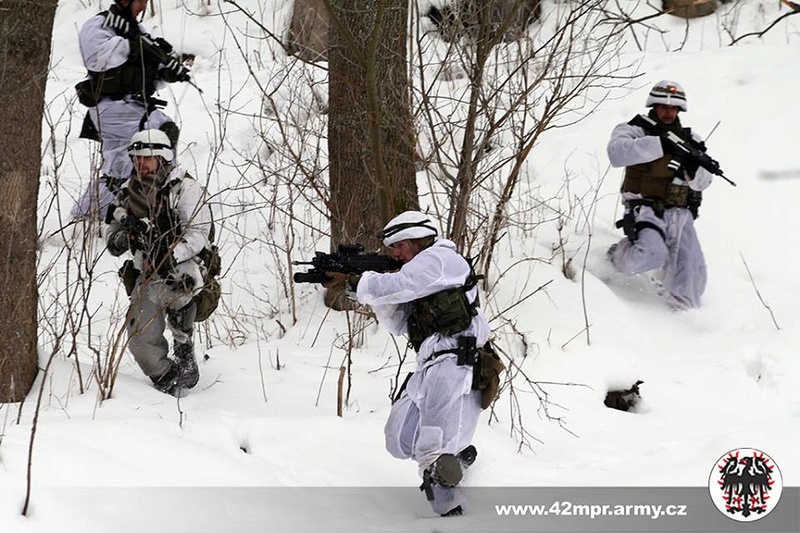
{"type": "Point", "coordinates": [446, 312]}
{"type": "Point", "coordinates": [166, 226]}
{"type": "Point", "coordinates": [135, 77]}
{"type": "Point", "coordinates": [654, 180]}
{"type": "Point", "coordinates": [650, 179]}
{"type": "Point", "coordinates": [167, 231]}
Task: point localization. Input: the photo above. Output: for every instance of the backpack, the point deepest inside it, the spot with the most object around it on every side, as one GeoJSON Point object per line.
{"type": "Point", "coordinates": [208, 298]}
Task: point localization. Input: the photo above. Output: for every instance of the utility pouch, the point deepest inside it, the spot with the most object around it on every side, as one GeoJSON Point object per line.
{"type": "Point", "coordinates": [88, 95]}
{"type": "Point", "coordinates": [128, 273]}
{"type": "Point", "coordinates": [677, 195]}
{"type": "Point", "coordinates": [207, 299]}
{"type": "Point", "coordinates": [695, 199]}
{"type": "Point", "coordinates": [486, 374]}
{"type": "Point", "coordinates": [466, 351]}
{"type": "Point", "coordinates": [628, 225]}
{"type": "Point", "coordinates": [212, 261]}
{"type": "Point", "coordinates": [446, 312]}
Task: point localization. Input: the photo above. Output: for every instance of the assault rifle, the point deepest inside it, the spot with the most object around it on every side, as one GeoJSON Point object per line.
{"type": "Point", "coordinates": [349, 259]}
{"type": "Point", "coordinates": [684, 149]}
{"type": "Point", "coordinates": [161, 51]}
{"type": "Point", "coordinates": [142, 236]}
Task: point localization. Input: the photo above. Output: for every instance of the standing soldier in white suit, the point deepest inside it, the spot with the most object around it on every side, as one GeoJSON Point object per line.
{"type": "Point", "coordinates": [661, 193]}
{"type": "Point", "coordinates": [126, 66]}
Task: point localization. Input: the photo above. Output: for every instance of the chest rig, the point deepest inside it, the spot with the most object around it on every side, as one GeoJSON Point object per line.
{"type": "Point", "coordinates": [445, 312]}
{"type": "Point", "coordinates": [659, 184]}
{"type": "Point", "coordinates": [153, 205]}
{"type": "Point", "coordinates": [135, 77]}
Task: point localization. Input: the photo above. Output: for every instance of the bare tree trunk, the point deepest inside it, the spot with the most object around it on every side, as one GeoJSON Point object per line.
{"type": "Point", "coordinates": [308, 32]}
{"type": "Point", "coordinates": [370, 135]}
{"type": "Point", "coordinates": [25, 34]}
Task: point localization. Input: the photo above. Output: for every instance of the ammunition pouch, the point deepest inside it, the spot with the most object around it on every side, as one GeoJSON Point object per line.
{"type": "Point", "coordinates": [677, 195]}
{"type": "Point", "coordinates": [446, 312]}
{"type": "Point", "coordinates": [682, 196]}
{"type": "Point", "coordinates": [486, 367]}
{"type": "Point", "coordinates": [129, 274]}
{"type": "Point", "coordinates": [207, 299]}
{"type": "Point", "coordinates": [487, 374]}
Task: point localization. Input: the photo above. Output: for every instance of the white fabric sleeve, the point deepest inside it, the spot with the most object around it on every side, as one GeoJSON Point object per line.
{"type": "Point", "coordinates": [433, 270]}
{"type": "Point", "coordinates": [630, 146]}
{"type": "Point", "coordinates": [102, 49]}
{"type": "Point", "coordinates": [194, 215]}
{"type": "Point", "coordinates": [702, 179]}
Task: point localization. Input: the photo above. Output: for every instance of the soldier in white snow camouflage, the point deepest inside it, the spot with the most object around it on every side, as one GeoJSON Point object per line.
{"type": "Point", "coordinates": [434, 418]}
{"type": "Point", "coordinates": [126, 67]}
{"type": "Point", "coordinates": [161, 218]}
{"type": "Point", "coordinates": [661, 193]}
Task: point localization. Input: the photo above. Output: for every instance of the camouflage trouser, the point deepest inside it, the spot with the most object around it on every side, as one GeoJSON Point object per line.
{"type": "Point", "coordinates": [437, 413]}
{"type": "Point", "coordinates": [678, 254]}
{"type": "Point", "coordinates": [154, 307]}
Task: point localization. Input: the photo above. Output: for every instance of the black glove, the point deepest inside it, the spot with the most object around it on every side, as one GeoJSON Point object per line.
{"type": "Point", "coordinates": [119, 242]}
{"type": "Point", "coordinates": [163, 44]}
{"type": "Point", "coordinates": [140, 230]}
{"type": "Point", "coordinates": [179, 282]}
{"type": "Point", "coordinates": [116, 22]}
{"type": "Point", "coordinates": [691, 165]}
{"type": "Point", "coordinates": [174, 70]}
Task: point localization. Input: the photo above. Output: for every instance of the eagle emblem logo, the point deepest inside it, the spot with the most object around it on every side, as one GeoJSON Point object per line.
{"type": "Point", "coordinates": [745, 484]}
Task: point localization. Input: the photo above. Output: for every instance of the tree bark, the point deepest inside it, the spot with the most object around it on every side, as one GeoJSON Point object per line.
{"type": "Point", "coordinates": [308, 32]}
{"type": "Point", "coordinates": [370, 128]}
{"type": "Point", "coordinates": [25, 39]}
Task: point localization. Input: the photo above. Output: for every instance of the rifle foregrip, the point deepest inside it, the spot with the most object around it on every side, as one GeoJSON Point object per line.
{"type": "Point", "coordinates": [312, 276]}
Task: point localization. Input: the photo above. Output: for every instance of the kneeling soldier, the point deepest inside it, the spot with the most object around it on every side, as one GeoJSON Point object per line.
{"type": "Point", "coordinates": [160, 217]}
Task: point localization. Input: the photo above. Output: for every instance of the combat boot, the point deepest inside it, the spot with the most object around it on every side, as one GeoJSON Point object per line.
{"type": "Point", "coordinates": [168, 382]}
{"type": "Point", "coordinates": [467, 456]}
{"type": "Point", "coordinates": [188, 373]}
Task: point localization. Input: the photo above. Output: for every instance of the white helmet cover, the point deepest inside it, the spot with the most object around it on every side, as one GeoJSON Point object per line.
{"type": "Point", "coordinates": [150, 143]}
{"type": "Point", "coordinates": [408, 225]}
{"type": "Point", "coordinates": [668, 93]}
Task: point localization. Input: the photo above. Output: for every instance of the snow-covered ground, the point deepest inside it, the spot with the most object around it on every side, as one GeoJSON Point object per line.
{"type": "Point", "coordinates": [257, 445]}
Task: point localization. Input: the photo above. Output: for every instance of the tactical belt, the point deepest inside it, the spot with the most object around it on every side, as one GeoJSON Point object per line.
{"type": "Point", "coordinates": [466, 353]}
{"type": "Point", "coordinates": [150, 101]}
{"type": "Point", "coordinates": [677, 199]}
